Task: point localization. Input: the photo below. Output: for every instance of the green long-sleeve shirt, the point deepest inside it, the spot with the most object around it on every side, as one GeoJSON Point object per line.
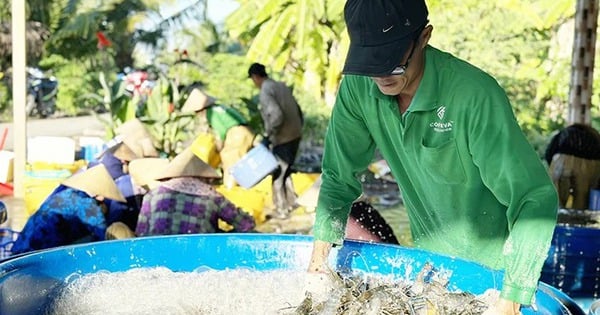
{"type": "Point", "coordinates": [472, 184]}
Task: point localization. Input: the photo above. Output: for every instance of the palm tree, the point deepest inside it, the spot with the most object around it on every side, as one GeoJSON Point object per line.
{"type": "Point", "coordinates": [304, 39]}
{"type": "Point", "coordinates": [123, 22]}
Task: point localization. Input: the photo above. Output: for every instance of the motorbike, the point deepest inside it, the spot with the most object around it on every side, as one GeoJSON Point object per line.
{"type": "Point", "coordinates": [41, 93]}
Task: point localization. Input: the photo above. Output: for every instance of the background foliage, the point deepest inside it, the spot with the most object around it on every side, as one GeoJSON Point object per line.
{"type": "Point", "coordinates": [526, 45]}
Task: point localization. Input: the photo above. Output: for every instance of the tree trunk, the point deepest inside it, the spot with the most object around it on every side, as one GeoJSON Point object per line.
{"type": "Point", "coordinates": [582, 66]}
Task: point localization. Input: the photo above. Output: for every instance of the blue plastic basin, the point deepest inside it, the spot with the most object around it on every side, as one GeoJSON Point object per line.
{"type": "Point", "coordinates": [28, 283]}
{"type": "Point", "coordinates": [573, 263]}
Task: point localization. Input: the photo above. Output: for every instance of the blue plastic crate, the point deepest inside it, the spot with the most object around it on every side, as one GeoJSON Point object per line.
{"type": "Point", "coordinates": [7, 238]}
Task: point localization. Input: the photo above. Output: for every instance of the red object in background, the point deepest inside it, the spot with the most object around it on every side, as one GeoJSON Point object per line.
{"type": "Point", "coordinates": [6, 189]}
{"type": "Point", "coordinates": [3, 138]}
{"type": "Point", "coordinates": [136, 79]}
{"type": "Point", "coordinates": [103, 42]}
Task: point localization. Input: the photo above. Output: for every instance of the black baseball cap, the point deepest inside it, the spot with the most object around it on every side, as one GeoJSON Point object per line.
{"type": "Point", "coordinates": [381, 31]}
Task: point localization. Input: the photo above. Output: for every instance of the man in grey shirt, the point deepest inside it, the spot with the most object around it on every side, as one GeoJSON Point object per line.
{"type": "Point", "coordinates": [282, 120]}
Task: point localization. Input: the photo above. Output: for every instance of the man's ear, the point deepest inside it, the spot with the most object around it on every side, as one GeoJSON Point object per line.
{"type": "Point", "coordinates": [425, 36]}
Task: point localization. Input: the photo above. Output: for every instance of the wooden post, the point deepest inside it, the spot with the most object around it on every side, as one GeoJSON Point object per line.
{"type": "Point", "coordinates": [582, 65]}
{"type": "Point", "coordinates": [19, 63]}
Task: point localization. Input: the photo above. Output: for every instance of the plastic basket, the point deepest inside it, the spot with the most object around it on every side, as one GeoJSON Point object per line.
{"type": "Point", "coordinates": [7, 239]}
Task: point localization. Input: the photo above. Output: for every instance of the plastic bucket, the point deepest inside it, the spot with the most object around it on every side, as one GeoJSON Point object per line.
{"type": "Point", "coordinates": [39, 185]}
{"type": "Point", "coordinates": [28, 282]}
{"type": "Point", "coordinates": [254, 166]}
{"type": "Point", "coordinates": [573, 263]}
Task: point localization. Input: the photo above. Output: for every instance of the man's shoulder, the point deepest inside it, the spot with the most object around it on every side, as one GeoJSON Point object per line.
{"type": "Point", "coordinates": [271, 84]}
{"type": "Point", "coordinates": [461, 68]}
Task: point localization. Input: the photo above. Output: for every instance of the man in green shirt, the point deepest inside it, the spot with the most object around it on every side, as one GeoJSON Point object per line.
{"type": "Point", "coordinates": [472, 185]}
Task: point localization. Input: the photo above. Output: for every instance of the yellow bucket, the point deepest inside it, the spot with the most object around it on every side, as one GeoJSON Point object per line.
{"type": "Point", "coordinates": [38, 185]}
{"type": "Point", "coordinates": [45, 166]}
{"type": "Point", "coordinates": [41, 178]}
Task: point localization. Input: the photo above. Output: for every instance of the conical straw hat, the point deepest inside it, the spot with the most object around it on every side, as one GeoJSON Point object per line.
{"type": "Point", "coordinates": [197, 101]}
{"type": "Point", "coordinates": [122, 152]}
{"type": "Point", "coordinates": [95, 181]}
{"type": "Point", "coordinates": [144, 170]}
{"type": "Point", "coordinates": [135, 135]}
{"type": "Point", "coordinates": [187, 163]}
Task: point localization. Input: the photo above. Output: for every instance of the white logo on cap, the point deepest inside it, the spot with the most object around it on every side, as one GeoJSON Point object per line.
{"type": "Point", "coordinates": [385, 30]}
{"type": "Point", "coordinates": [407, 23]}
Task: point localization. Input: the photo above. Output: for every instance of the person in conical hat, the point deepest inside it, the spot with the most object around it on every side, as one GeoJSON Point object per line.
{"type": "Point", "coordinates": [197, 101]}
{"type": "Point", "coordinates": [186, 203]}
{"type": "Point", "coordinates": [134, 186]}
{"type": "Point", "coordinates": [123, 152]}
{"type": "Point", "coordinates": [73, 213]}
{"type": "Point", "coordinates": [136, 136]}
{"type": "Point", "coordinates": [144, 171]}
{"type": "Point", "coordinates": [233, 136]}
{"type": "Point", "coordinates": [116, 158]}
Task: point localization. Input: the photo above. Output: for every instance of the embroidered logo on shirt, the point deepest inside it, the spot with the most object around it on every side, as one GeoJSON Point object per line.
{"type": "Point", "coordinates": [441, 125]}
{"type": "Point", "coordinates": [441, 112]}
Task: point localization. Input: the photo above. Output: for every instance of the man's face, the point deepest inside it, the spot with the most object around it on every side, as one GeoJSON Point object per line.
{"type": "Point", "coordinates": [254, 79]}
{"type": "Point", "coordinates": [413, 64]}
{"type": "Point", "coordinates": [396, 84]}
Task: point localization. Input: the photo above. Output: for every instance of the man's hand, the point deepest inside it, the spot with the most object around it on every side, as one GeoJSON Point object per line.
{"type": "Point", "coordinates": [503, 307]}
{"type": "Point", "coordinates": [266, 142]}
{"type": "Point", "coordinates": [318, 281]}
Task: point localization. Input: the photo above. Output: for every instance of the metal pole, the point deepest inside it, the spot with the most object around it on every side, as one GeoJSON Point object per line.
{"type": "Point", "coordinates": [582, 65]}
{"type": "Point", "coordinates": [19, 63]}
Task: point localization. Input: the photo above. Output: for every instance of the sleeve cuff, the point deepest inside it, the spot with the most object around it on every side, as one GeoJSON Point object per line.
{"type": "Point", "coordinates": [523, 296]}
{"type": "Point", "coordinates": [325, 234]}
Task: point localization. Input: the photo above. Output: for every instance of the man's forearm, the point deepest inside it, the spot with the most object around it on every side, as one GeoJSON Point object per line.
{"type": "Point", "coordinates": [319, 257]}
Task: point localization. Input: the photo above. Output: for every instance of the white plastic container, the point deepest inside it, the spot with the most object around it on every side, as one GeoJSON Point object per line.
{"type": "Point", "coordinates": [6, 166]}
{"type": "Point", "coordinates": [60, 150]}
{"type": "Point", "coordinates": [254, 166]}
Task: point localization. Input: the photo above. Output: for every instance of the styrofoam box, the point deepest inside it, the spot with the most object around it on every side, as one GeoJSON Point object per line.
{"type": "Point", "coordinates": [254, 166]}
{"type": "Point", "coordinates": [59, 150]}
{"type": "Point", "coordinates": [6, 166]}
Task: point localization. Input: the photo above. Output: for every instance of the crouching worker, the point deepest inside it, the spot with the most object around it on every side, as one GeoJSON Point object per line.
{"type": "Point", "coordinates": [366, 224]}
{"type": "Point", "coordinates": [185, 202]}
{"type": "Point", "coordinates": [229, 127]}
{"type": "Point", "coordinates": [73, 213]}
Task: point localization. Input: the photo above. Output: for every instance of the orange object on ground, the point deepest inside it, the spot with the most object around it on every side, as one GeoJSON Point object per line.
{"type": "Point", "coordinates": [3, 138]}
